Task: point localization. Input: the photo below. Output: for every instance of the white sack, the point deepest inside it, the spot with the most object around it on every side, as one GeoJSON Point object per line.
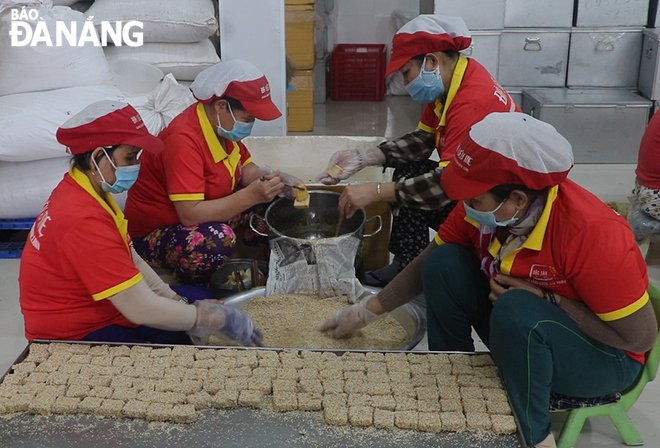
{"type": "Point", "coordinates": [29, 120]}
{"type": "Point", "coordinates": [30, 69]}
{"type": "Point", "coordinates": [184, 61]}
{"type": "Point", "coordinates": [6, 4]}
{"type": "Point", "coordinates": [159, 108]}
{"type": "Point", "coordinates": [163, 20]}
{"type": "Point", "coordinates": [25, 186]}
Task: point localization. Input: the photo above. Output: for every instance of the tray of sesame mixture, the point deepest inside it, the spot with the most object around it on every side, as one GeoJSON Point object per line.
{"type": "Point", "coordinates": [81, 394]}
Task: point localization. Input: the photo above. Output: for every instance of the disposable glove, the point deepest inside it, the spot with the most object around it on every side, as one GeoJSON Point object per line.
{"type": "Point", "coordinates": [345, 163]}
{"type": "Point", "coordinates": [215, 319]}
{"type": "Point", "coordinates": [290, 182]}
{"type": "Point", "coordinates": [349, 320]}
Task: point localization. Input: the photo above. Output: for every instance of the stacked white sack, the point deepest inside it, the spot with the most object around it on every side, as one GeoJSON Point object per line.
{"type": "Point", "coordinates": [175, 33]}
{"type": "Point", "coordinates": [35, 68]}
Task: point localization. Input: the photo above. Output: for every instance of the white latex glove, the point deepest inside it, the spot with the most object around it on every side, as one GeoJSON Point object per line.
{"type": "Point", "coordinates": [348, 321]}
{"type": "Point", "coordinates": [289, 181]}
{"type": "Point", "coordinates": [345, 163]}
{"type": "Point", "coordinates": [216, 319]}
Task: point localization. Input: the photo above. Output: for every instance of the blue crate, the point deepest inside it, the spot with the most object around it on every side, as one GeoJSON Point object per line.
{"type": "Point", "coordinates": [16, 224]}
{"type": "Point", "coordinates": [13, 249]}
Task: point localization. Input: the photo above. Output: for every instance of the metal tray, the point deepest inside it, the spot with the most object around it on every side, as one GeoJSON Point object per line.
{"type": "Point", "coordinates": [410, 316]}
{"type": "Point", "coordinates": [237, 428]}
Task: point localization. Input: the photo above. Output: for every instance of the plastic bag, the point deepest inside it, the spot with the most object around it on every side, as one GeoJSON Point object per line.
{"type": "Point", "coordinates": [324, 267]}
{"type": "Point", "coordinates": [642, 225]}
{"type": "Point", "coordinates": [163, 104]}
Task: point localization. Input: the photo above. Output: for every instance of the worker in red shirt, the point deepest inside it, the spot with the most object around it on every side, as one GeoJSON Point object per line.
{"type": "Point", "coordinates": [193, 199]}
{"type": "Point", "coordinates": [644, 212]}
{"type": "Point", "coordinates": [549, 276]}
{"type": "Point", "coordinates": [457, 92]}
{"type": "Point", "coordinates": [80, 278]}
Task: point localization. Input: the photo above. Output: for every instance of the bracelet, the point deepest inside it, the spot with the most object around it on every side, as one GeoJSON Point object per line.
{"type": "Point", "coordinates": [378, 190]}
{"type": "Point", "coordinates": [549, 296]}
{"type": "Point", "coordinates": [179, 298]}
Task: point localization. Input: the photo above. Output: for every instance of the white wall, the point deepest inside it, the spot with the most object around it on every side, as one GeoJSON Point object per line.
{"type": "Point", "coordinates": [254, 30]}
{"type": "Point", "coordinates": [365, 21]}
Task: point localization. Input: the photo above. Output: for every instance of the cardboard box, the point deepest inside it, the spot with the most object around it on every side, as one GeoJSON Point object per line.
{"type": "Point", "coordinates": [299, 37]}
{"type": "Point", "coordinates": [300, 102]}
{"type": "Point", "coordinates": [288, 3]}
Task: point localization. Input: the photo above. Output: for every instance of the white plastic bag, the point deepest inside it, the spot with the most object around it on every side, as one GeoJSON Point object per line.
{"type": "Point", "coordinates": [159, 108]}
{"type": "Point", "coordinates": [184, 61]}
{"type": "Point", "coordinates": [323, 267]}
{"type": "Point", "coordinates": [163, 20]}
{"type": "Point", "coordinates": [30, 69]}
{"type": "Point", "coordinates": [29, 120]}
{"type": "Point", "coordinates": [642, 225]}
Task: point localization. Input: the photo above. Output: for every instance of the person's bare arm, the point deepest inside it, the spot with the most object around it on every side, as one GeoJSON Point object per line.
{"type": "Point", "coordinates": [258, 192]}
{"type": "Point", "coordinates": [636, 332]}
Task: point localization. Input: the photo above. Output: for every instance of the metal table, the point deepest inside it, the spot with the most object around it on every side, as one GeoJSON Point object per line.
{"type": "Point", "coordinates": [238, 428]}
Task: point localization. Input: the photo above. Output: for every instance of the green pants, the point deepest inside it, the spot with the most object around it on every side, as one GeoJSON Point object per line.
{"type": "Point", "coordinates": [536, 346]}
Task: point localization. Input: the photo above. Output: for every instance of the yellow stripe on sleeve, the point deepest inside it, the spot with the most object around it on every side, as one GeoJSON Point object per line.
{"type": "Point", "coordinates": [422, 127]}
{"type": "Point", "coordinates": [187, 197]}
{"type": "Point", "coordinates": [247, 161]}
{"type": "Point", "coordinates": [626, 311]}
{"type": "Point", "coordinates": [117, 288]}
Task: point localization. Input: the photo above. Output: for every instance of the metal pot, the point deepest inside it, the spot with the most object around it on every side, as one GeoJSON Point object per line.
{"type": "Point", "coordinates": [317, 221]}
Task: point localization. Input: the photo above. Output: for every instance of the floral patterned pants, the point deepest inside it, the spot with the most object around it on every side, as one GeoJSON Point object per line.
{"type": "Point", "coordinates": [194, 253]}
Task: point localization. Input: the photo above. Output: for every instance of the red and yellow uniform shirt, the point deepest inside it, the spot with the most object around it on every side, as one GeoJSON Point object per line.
{"type": "Point", "coordinates": [77, 255]}
{"type": "Point", "coordinates": [473, 94]}
{"type": "Point", "coordinates": [579, 249]}
{"type": "Point", "coordinates": [194, 166]}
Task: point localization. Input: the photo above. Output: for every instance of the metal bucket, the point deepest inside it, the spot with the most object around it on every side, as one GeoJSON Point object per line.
{"type": "Point", "coordinates": [410, 315]}
{"type": "Point", "coordinates": [317, 221]}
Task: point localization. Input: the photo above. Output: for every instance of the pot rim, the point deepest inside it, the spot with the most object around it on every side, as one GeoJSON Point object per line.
{"type": "Point", "coordinates": [278, 234]}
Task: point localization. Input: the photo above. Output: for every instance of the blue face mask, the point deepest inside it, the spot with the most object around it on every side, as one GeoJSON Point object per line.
{"type": "Point", "coordinates": [125, 176]}
{"type": "Point", "coordinates": [488, 218]}
{"type": "Point", "coordinates": [427, 86]}
{"type": "Point", "coordinates": [239, 131]}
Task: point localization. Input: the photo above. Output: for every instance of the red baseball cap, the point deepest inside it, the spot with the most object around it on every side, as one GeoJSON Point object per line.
{"type": "Point", "coordinates": [507, 148]}
{"type": "Point", "coordinates": [427, 33]}
{"type": "Point", "coordinates": [240, 80]}
{"type": "Point", "coordinates": [106, 123]}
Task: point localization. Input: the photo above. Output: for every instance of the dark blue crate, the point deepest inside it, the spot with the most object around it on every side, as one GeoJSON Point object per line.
{"type": "Point", "coordinates": [16, 224]}
{"type": "Point", "coordinates": [13, 249]}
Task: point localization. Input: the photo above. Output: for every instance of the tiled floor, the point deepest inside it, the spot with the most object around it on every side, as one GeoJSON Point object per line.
{"type": "Point", "coordinates": [395, 117]}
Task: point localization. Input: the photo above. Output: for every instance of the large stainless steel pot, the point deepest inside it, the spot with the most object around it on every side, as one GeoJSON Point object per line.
{"type": "Point", "coordinates": [317, 221]}
{"type": "Point", "coordinates": [410, 316]}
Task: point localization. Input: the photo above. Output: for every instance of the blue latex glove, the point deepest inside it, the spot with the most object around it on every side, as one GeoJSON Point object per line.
{"type": "Point", "coordinates": [216, 319]}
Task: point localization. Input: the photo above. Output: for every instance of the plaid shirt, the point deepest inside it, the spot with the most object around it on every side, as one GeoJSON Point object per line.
{"type": "Point", "coordinates": [422, 192]}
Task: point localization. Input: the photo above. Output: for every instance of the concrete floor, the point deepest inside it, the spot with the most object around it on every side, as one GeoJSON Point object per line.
{"type": "Point", "coordinates": [396, 116]}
